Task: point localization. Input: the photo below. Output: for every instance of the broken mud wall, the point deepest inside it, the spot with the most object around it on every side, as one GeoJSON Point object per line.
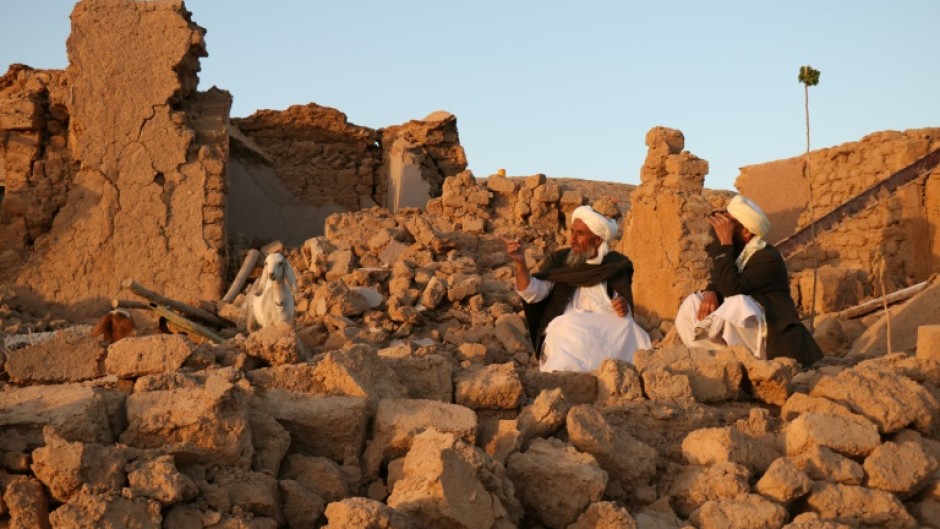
{"type": "Point", "coordinates": [902, 226]}
{"type": "Point", "coordinates": [36, 166]}
{"type": "Point", "coordinates": [290, 169]}
{"type": "Point", "coordinates": [148, 199]}
{"type": "Point", "coordinates": [838, 174]}
{"type": "Point", "coordinates": [666, 230]}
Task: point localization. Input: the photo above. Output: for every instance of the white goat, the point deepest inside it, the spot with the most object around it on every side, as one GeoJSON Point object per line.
{"type": "Point", "coordinates": [270, 299]}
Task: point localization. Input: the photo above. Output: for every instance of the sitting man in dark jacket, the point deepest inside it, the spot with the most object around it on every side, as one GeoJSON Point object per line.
{"type": "Point", "coordinates": [747, 301]}
{"type": "Point", "coordinates": [579, 305]}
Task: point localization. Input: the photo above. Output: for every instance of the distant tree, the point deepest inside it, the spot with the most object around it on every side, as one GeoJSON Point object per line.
{"type": "Point", "coordinates": [810, 77]}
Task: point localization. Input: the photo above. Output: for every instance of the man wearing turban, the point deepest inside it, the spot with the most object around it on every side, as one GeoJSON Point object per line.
{"type": "Point", "coordinates": [747, 301]}
{"type": "Point", "coordinates": [579, 305]}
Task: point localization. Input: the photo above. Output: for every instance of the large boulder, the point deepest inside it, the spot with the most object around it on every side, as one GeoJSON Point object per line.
{"type": "Point", "coordinates": [447, 482]}
{"type": "Point", "coordinates": [556, 482]}
{"type": "Point", "coordinates": [889, 400]}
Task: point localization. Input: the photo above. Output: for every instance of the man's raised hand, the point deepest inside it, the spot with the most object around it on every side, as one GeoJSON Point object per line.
{"type": "Point", "coordinates": [516, 249]}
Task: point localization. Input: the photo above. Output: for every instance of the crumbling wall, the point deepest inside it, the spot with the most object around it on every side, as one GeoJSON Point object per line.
{"type": "Point", "coordinates": [902, 229]}
{"type": "Point", "coordinates": [148, 200]}
{"type": "Point", "coordinates": [666, 232]}
{"type": "Point", "coordinates": [36, 167]}
{"type": "Point", "coordinates": [318, 155]}
{"type": "Point", "coordinates": [838, 174]}
{"type": "Point", "coordinates": [297, 166]}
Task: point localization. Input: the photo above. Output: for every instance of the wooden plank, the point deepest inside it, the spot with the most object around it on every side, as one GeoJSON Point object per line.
{"type": "Point", "coordinates": [878, 303]}
{"type": "Point", "coordinates": [158, 299]}
{"type": "Point", "coordinates": [129, 304]}
{"type": "Point", "coordinates": [187, 325]}
{"type": "Point", "coordinates": [247, 266]}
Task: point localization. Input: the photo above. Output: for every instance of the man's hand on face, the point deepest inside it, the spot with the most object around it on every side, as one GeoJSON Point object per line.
{"type": "Point", "coordinates": [709, 304]}
{"type": "Point", "coordinates": [620, 306]}
{"type": "Point", "coordinates": [724, 226]}
{"type": "Point", "coordinates": [516, 250]}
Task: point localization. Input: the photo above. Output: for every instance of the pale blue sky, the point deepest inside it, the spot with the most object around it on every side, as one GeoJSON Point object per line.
{"type": "Point", "coordinates": [565, 88]}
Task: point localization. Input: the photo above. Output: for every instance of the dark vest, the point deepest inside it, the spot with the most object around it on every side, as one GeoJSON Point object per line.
{"type": "Point", "coordinates": [616, 269]}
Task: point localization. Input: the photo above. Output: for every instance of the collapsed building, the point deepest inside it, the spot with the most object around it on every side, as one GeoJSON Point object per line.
{"type": "Point", "coordinates": [143, 176]}
{"type": "Point", "coordinates": [407, 394]}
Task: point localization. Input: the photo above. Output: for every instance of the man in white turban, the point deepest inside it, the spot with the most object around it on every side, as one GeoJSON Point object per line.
{"type": "Point", "coordinates": [579, 306]}
{"type": "Point", "coordinates": [747, 301]}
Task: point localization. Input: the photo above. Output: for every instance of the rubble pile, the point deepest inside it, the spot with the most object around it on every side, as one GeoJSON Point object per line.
{"type": "Point", "coordinates": [406, 396]}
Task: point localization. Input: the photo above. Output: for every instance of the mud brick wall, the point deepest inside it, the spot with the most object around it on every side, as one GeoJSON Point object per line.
{"type": "Point", "coordinates": [36, 167]}
{"type": "Point", "coordinates": [147, 201]}
{"type": "Point", "coordinates": [838, 174]}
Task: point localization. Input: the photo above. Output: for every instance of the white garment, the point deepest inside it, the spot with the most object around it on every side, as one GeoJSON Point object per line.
{"type": "Point", "coordinates": [588, 332]}
{"type": "Point", "coordinates": [738, 321]}
{"type": "Point", "coordinates": [752, 246]}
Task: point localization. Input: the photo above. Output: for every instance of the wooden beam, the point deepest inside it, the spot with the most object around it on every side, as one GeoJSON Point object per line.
{"type": "Point", "coordinates": [158, 299]}
{"type": "Point", "coordinates": [186, 325]}
{"type": "Point", "coordinates": [875, 304]}
{"type": "Point", "coordinates": [247, 266]}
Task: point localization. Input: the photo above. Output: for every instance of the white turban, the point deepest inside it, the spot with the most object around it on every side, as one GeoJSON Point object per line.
{"type": "Point", "coordinates": [598, 224]}
{"type": "Point", "coordinates": [749, 214]}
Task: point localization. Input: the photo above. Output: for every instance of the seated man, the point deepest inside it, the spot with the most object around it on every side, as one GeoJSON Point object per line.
{"type": "Point", "coordinates": [578, 307]}
{"type": "Point", "coordinates": [747, 301]}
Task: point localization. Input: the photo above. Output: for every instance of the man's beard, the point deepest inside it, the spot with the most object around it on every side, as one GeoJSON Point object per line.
{"type": "Point", "coordinates": [576, 258]}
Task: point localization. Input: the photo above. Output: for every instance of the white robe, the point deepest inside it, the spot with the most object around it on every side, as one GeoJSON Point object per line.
{"type": "Point", "coordinates": [588, 332]}
{"type": "Point", "coordinates": [738, 321]}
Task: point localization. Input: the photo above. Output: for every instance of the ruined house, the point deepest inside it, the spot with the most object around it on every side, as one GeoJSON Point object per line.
{"type": "Point", "coordinates": [118, 167]}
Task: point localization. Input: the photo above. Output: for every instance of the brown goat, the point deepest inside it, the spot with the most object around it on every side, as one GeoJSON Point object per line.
{"type": "Point", "coordinates": [114, 326]}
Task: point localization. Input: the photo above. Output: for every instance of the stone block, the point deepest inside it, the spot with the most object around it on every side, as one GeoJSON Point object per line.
{"type": "Point", "coordinates": [159, 479]}
{"type": "Point", "coordinates": [496, 386]}
{"type": "Point", "coordinates": [136, 356]}
{"type": "Point", "coordinates": [889, 400]}
{"type": "Point", "coordinates": [71, 355]}
{"type": "Point", "coordinates": [695, 485]}
{"type": "Point", "coordinates": [212, 427]}
{"type": "Point", "coordinates": [319, 475]}
{"type": "Point", "coordinates": [106, 510]}
{"type": "Point", "coordinates": [902, 469]}
{"type": "Point", "coordinates": [822, 464]}
{"type": "Point", "coordinates": [556, 482]}
{"type": "Point", "coordinates": [358, 372]}
{"type": "Point", "coordinates": [837, 288]}
{"type": "Point", "coordinates": [545, 416]}
{"type": "Point", "coordinates": [363, 513]}
{"type": "Point", "coordinates": [605, 515]}
{"type": "Point", "coordinates": [429, 377]}
{"type": "Point", "coordinates": [269, 439]}
{"type": "Point", "coordinates": [618, 381]}
{"type": "Point", "coordinates": [448, 482]}
{"type": "Point", "coordinates": [65, 468]}
{"type": "Point", "coordinates": [800, 403]}
{"type": "Point", "coordinates": [748, 511]}
{"type": "Point", "coordinates": [76, 413]}
{"type": "Point", "coordinates": [301, 507]}
{"type": "Point", "coordinates": [928, 342]}
{"type": "Point", "coordinates": [851, 436]}
{"type": "Point", "coordinates": [859, 506]}
{"type": "Point", "coordinates": [398, 421]}
{"type": "Point", "coordinates": [630, 462]}
{"type": "Point", "coordinates": [275, 345]}
{"type": "Point", "coordinates": [783, 482]}
{"type": "Point", "coordinates": [708, 446]}
{"type": "Point", "coordinates": [26, 503]}
{"type": "Point", "coordinates": [577, 388]}
{"type": "Point", "coordinates": [664, 384]}
{"type": "Point", "coordinates": [333, 427]}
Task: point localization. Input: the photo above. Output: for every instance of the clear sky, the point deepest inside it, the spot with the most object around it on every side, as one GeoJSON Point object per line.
{"type": "Point", "coordinates": [560, 87]}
